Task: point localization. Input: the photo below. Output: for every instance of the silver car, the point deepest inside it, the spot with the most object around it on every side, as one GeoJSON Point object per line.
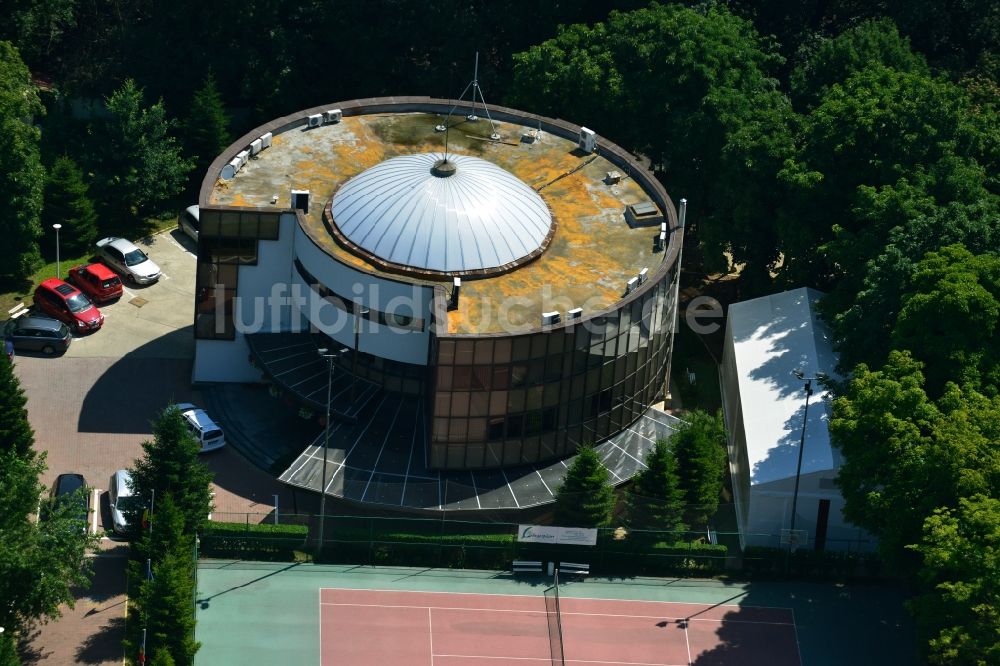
{"type": "Point", "coordinates": [128, 260]}
{"type": "Point", "coordinates": [201, 425]}
{"type": "Point", "coordinates": [121, 499]}
{"type": "Point", "coordinates": [189, 222]}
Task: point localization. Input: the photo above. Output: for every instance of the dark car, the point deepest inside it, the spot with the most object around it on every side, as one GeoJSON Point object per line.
{"type": "Point", "coordinates": [43, 334]}
{"type": "Point", "coordinates": [73, 488]}
{"type": "Point", "coordinates": [68, 304]}
{"type": "Point", "coordinates": [97, 281]}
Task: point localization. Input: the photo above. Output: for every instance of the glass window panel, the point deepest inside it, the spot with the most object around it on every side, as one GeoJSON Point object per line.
{"type": "Point", "coordinates": [474, 455]}
{"type": "Point", "coordinates": [529, 450]}
{"type": "Point", "coordinates": [577, 386]}
{"type": "Point", "coordinates": [249, 225]}
{"type": "Point", "coordinates": [456, 456]}
{"type": "Point", "coordinates": [446, 352]}
{"type": "Point", "coordinates": [538, 344]}
{"type": "Point", "coordinates": [501, 377]}
{"type": "Point", "coordinates": [248, 251]}
{"type": "Point", "coordinates": [209, 220]}
{"type": "Point", "coordinates": [522, 348]}
{"type": "Point", "coordinates": [551, 394]}
{"type": "Point", "coordinates": [536, 371]}
{"type": "Point", "coordinates": [444, 378]}
{"type": "Point", "coordinates": [515, 400]}
{"type": "Point", "coordinates": [518, 375]}
{"type": "Point", "coordinates": [463, 352]}
{"type": "Point", "coordinates": [553, 367]}
{"type": "Point", "coordinates": [557, 342]}
{"type": "Point", "coordinates": [479, 403]}
{"type": "Point", "coordinates": [620, 367]}
{"type": "Point", "coordinates": [477, 430]}
{"type": "Point", "coordinates": [483, 352]}
{"type": "Point", "coordinates": [501, 350]}
{"type": "Point", "coordinates": [442, 404]}
{"type": "Point", "coordinates": [494, 454]}
{"type": "Point", "coordinates": [534, 398]}
{"type": "Point", "coordinates": [269, 227]}
{"type": "Point", "coordinates": [511, 453]}
{"type": "Point", "coordinates": [438, 455]}
{"type": "Point", "coordinates": [459, 403]}
{"type": "Point", "coordinates": [498, 403]}
{"type": "Point", "coordinates": [229, 224]}
{"type": "Point", "coordinates": [440, 431]}
{"type": "Point", "coordinates": [481, 376]}
{"type": "Point", "coordinates": [462, 377]}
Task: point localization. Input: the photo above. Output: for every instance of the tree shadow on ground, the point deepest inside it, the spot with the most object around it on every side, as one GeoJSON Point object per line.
{"type": "Point", "coordinates": [105, 645]}
{"type": "Point", "coordinates": [27, 649]}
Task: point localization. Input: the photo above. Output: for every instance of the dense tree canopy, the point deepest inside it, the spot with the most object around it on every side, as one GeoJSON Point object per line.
{"type": "Point", "coordinates": [656, 500]}
{"type": "Point", "coordinates": [67, 203]}
{"type": "Point", "coordinates": [22, 177]}
{"type": "Point", "coordinates": [700, 448]}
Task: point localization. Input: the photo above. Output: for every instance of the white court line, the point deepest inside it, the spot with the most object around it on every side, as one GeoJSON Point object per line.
{"type": "Point", "coordinates": [497, 594]}
{"type": "Point", "coordinates": [548, 660]}
{"type": "Point", "coordinates": [515, 610]}
{"type": "Point", "coordinates": [430, 632]}
{"type": "Point", "coordinates": [687, 641]}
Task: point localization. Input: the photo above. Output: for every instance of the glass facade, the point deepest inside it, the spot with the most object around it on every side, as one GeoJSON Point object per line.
{"type": "Point", "coordinates": [227, 240]}
{"type": "Point", "coordinates": [509, 400]}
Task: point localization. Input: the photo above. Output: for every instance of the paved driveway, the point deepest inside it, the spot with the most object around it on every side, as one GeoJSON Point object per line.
{"type": "Point", "coordinates": [91, 411]}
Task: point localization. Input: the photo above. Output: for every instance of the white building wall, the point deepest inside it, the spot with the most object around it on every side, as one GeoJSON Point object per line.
{"type": "Point", "coordinates": [376, 293]}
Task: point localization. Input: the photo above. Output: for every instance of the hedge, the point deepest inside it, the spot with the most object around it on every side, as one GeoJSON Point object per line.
{"type": "Point", "coordinates": [252, 541]}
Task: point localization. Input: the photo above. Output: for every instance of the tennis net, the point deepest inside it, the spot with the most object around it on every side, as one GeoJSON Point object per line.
{"type": "Point", "coordinates": [554, 616]}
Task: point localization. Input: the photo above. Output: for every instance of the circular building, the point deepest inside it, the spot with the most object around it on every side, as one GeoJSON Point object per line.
{"type": "Point", "coordinates": [469, 304]}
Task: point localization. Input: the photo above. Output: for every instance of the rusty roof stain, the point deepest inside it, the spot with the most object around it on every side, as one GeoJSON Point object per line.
{"type": "Point", "coordinates": [587, 264]}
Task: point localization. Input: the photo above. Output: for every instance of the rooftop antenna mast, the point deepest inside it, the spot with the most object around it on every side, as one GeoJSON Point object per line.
{"type": "Point", "coordinates": [472, 117]}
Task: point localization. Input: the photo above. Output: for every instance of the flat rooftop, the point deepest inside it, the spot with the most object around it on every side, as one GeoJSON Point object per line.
{"type": "Point", "coordinates": [591, 257]}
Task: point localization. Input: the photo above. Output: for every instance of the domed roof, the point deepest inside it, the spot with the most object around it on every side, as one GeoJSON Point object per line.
{"type": "Point", "coordinates": [464, 217]}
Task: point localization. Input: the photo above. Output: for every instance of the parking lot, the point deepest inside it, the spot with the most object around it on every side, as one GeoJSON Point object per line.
{"type": "Point", "coordinates": [91, 410]}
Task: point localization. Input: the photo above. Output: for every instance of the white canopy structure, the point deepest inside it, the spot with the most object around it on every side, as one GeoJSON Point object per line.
{"type": "Point", "coordinates": [769, 342]}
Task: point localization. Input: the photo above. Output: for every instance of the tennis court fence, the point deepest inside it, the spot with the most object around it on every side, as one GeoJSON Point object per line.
{"type": "Point", "coordinates": [428, 542]}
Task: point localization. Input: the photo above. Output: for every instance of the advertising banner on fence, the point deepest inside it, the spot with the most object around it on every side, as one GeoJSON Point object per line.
{"type": "Point", "coordinates": [579, 536]}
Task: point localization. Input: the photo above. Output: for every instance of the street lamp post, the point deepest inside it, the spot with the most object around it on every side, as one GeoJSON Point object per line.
{"type": "Point", "coordinates": [802, 444]}
{"type": "Point", "coordinates": [57, 227]}
{"type": "Point", "coordinates": [325, 353]}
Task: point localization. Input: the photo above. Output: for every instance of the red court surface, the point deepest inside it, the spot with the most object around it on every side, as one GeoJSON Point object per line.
{"type": "Point", "coordinates": [377, 627]}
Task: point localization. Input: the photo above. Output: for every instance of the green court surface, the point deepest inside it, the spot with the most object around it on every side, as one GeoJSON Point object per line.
{"type": "Point", "coordinates": [261, 614]}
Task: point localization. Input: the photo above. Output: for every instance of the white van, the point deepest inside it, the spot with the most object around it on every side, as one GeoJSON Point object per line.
{"type": "Point", "coordinates": [121, 499]}
{"type": "Point", "coordinates": [201, 425]}
{"type": "Point", "coordinates": [190, 222]}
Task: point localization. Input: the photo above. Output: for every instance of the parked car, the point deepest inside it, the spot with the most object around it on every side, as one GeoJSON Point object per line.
{"type": "Point", "coordinates": [189, 222]}
{"type": "Point", "coordinates": [97, 281]}
{"type": "Point", "coordinates": [73, 488]}
{"type": "Point", "coordinates": [201, 425]}
{"type": "Point", "coordinates": [67, 304]}
{"type": "Point", "coordinates": [31, 333]}
{"type": "Point", "coordinates": [131, 262]}
{"type": "Point", "coordinates": [123, 502]}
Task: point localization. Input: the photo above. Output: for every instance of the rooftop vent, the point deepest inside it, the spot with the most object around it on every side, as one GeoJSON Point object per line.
{"type": "Point", "coordinates": [229, 171]}
{"type": "Point", "coordinates": [588, 140]}
{"type": "Point", "coordinates": [643, 214]}
{"type": "Point", "coordinates": [550, 318]}
{"type": "Point", "coordinates": [613, 178]}
{"type": "Point", "coordinates": [575, 313]}
{"type": "Point", "coordinates": [300, 200]}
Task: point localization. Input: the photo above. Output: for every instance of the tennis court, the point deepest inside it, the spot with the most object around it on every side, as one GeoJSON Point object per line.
{"type": "Point", "coordinates": [375, 627]}
{"type": "Point", "coordinates": [262, 614]}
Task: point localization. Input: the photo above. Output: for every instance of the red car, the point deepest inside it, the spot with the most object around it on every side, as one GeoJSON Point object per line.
{"type": "Point", "coordinates": [97, 281]}
{"type": "Point", "coordinates": [68, 304]}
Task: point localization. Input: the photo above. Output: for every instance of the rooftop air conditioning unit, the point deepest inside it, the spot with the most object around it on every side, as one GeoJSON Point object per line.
{"type": "Point", "coordinates": [265, 140]}
{"type": "Point", "coordinates": [588, 140]}
{"type": "Point", "coordinates": [631, 285]}
{"type": "Point", "coordinates": [300, 200]}
{"type": "Point", "coordinates": [229, 171]}
{"type": "Point", "coordinates": [315, 120]}
{"type": "Point", "coordinates": [255, 147]}
{"type": "Point", "coordinates": [332, 116]}
{"type": "Point", "coordinates": [575, 313]}
{"type": "Point", "coordinates": [643, 275]}
{"type": "Point", "coordinates": [243, 156]}
{"type": "Point", "coordinates": [550, 318]}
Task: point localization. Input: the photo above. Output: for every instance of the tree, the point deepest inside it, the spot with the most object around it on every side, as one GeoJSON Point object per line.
{"type": "Point", "coordinates": [585, 498]}
{"type": "Point", "coordinates": [141, 162]}
{"type": "Point", "coordinates": [833, 60]}
{"type": "Point", "coordinates": [21, 174]}
{"type": "Point", "coordinates": [882, 424]}
{"type": "Point", "coordinates": [164, 605]}
{"type": "Point", "coordinates": [67, 203]}
{"type": "Point", "coordinates": [950, 316]}
{"type": "Point", "coordinates": [207, 126]}
{"type": "Point", "coordinates": [710, 117]}
{"type": "Point", "coordinates": [40, 562]}
{"type": "Point", "coordinates": [170, 466]}
{"type": "Point", "coordinates": [8, 650]}
{"type": "Point", "coordinates": [959, 613]}
{"type": "Point", "coordinates": [38, 25]}
{"type": "Point", "coordinates": [699, 446]}
{"type": "Point", "coordinates": [656, 501]}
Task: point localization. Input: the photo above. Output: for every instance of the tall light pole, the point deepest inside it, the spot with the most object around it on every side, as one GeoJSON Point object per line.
{"type": "Point", "coordinates": [360, 311]}
{"type": "Point", "coordinates": [57, 227]}
{"type": "Point", "coordinates": [802, 444]}
{"type": "Point", "coordinates": [325, 353]}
